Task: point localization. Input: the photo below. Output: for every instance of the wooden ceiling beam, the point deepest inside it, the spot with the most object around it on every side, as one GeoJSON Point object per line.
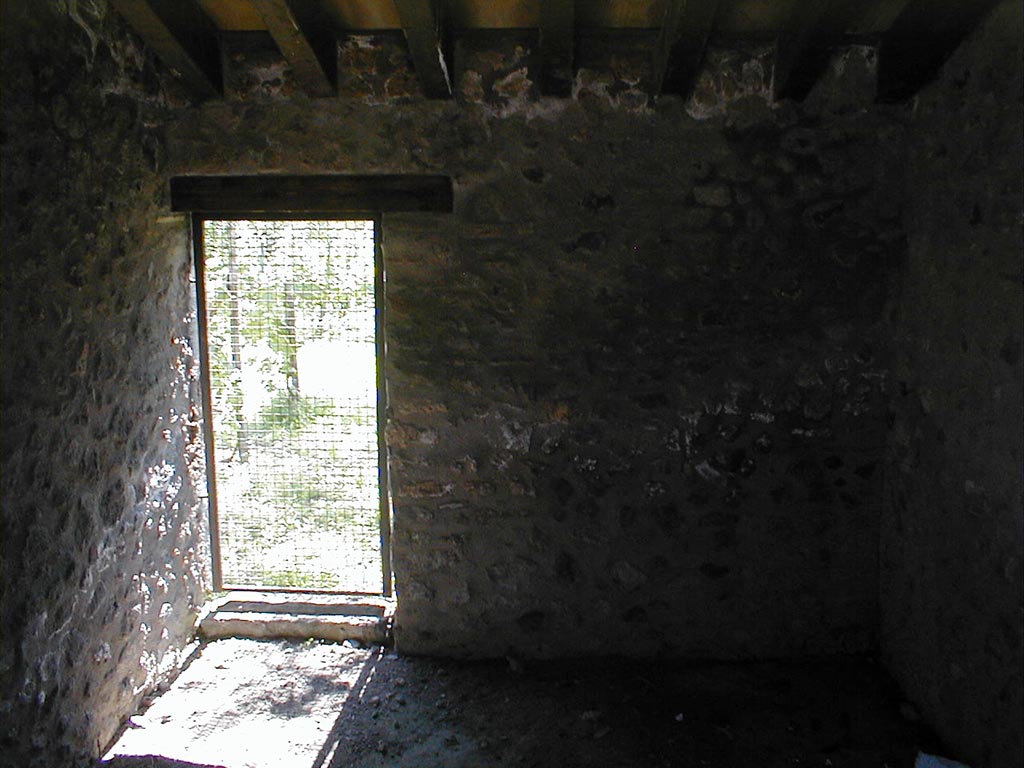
{"type": "Point", "coordinates": [314, 71]}
{"type": "Point", "coordinates": [921, 38]}
{"type": "Point", "coordinates": [557, 40]}
{"type": "Point", "coordinates": [685, 29]}
{"type": "Point", "coordinates": [423, 33]}
{"type": "Point", "coordinates": [804, 46]}
{"type": "Point", "coordinates": [184, 39]}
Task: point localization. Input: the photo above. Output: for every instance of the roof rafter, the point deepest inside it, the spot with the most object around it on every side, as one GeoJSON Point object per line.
{"type": "Point", "coordinates": [191, 52]}
{"type": "Point", "coordinates": [422, 28]}
{"type": "Point", "coordinates": [908, 58]}
{"type": "Point", "coordinates": [685, 29]}
{"type": "Point", "coordinates": [804, 47]}
{"type": "Point", "coordinates": [314, 70]}
{"type": "Point", "coordinates": [557, 40]}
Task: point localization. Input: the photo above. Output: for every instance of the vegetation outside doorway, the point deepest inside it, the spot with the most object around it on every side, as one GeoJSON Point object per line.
{"type": "Point", "coordinates": [291, 349]}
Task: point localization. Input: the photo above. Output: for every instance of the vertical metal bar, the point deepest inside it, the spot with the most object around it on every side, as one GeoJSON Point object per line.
{"type": "Point", "coordinates": [383, 478]}
{"type": "Point", "coordinates": [199, 256]}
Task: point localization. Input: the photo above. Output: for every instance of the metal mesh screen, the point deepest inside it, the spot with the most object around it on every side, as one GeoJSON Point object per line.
{"type": "Point", "coordinates": [290, 313]}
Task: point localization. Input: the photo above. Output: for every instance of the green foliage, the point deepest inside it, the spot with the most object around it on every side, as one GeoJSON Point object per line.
{"type": "Point", "coordinates": [287, 287]}
{"type": "Point", "coordinates": [296, 579]}
{"type": "Point", "coordinates": [287, 414]}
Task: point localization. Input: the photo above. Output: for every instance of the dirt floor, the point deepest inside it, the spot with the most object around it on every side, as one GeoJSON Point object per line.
{"type": "Point", "coordinates": [249, 703]}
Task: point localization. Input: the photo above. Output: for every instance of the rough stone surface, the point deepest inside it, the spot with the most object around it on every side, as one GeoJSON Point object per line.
{"type": "Point", "coordinates": [738, 73]}
{"type": "Point", "coordinates": [951, 532]}
{"type": "Point", "coordinates": [637, 387]}
{"type": "Point", "coordinates": [254, 67]}
{"type": "Point", "coordinates": [101, 528]}
{"type": "Point", "coordinates": [365, 629]}
{"type": "Point", "coordinates": [848, 84]}
{"type": "Point", "coordinates": [362, 57]}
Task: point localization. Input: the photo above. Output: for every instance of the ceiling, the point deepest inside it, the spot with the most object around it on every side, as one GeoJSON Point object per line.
{"type": "Point", "coordinates": [733, 16]}
{"type": "Point", "coordinates": [913, 37]}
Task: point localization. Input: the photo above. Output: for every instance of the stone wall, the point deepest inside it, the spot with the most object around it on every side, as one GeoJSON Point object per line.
{"type": "Point", "coordinates": [637, 379]}
{"type": "Point", "coordinates": [102, 567]}
{"type": "Point", "coordinates": [951, 531]}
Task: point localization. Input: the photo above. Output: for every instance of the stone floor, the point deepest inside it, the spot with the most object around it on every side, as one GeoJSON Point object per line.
{"type": "Point", "coordinates": [248, 703]}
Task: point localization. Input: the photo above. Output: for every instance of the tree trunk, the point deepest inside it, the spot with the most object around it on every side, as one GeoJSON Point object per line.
{"type": "Point", "coordinates": [235, 331]}
{"type": "Point", "coordinates": [291, 341]}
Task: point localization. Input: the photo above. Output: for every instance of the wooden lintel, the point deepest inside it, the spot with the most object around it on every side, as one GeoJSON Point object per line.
{"type": "Point", "coordinates": [313, 72]}
{"type": "Point", "coordinates": [685, 29]}
{"type": "Point", "coordinates": [422, 29]}
{"type": "Point", "coordinates": [326, 195]}
{"type": "Point", "coordinates": [192, 53]}
{"type": "Point", "coordinates": [557, 37]}
{"type": "Point", "coordinates": [922, 37]}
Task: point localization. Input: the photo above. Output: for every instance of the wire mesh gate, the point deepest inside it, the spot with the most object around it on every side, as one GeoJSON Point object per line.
{"type": "Point", "coordinates": [295, 461]}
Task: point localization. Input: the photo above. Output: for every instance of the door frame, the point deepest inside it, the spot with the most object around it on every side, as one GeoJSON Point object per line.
{"type": "Point", "coordinates": [383, 475]}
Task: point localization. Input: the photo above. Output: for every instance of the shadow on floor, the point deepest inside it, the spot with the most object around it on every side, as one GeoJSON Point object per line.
{"type": "Point", "coordinates": [324, 705]}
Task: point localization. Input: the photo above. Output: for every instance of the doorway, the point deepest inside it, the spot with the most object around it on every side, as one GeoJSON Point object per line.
{"type": "Point", "coordinates": [291, 334]}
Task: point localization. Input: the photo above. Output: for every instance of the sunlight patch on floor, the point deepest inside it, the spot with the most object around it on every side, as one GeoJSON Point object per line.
{"type": "Point", "coordinates": [251, 704]}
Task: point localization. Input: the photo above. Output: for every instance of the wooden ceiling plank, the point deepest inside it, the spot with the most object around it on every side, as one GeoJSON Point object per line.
{"type": "Point", "coordinates": [685, 29]}
{"type": "Point", "coordinates": [621, 14]}
{"type": "Point", "coordinates": [422, 31]}
{"type": "Point", "coordinates": [921, 38]}
{"type": "Point", "coordinates": [313, 72]}
{"type": "Point", "coordinates": [875, 16]}
{"type": "Point", "coordinates": [201, 75]}
{"type": "Point", "coordinates": [233, 15]}
{"type": "Point", "coordinates": [557, 38]}
{"type": "Point", "coordinates": [495, 14]}
{"type": "Point", "coordinates": [357, 16]}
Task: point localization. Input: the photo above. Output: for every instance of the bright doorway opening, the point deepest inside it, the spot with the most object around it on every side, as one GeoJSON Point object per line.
{"type": "Point", "coordinates": [292, 357]}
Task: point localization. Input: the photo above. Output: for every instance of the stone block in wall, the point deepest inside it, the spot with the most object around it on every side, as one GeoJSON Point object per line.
{"type": "Point", "coordinates": [375, 68]}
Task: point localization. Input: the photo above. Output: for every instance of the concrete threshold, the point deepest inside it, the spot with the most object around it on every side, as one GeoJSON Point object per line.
{"type": "Point", "coordinates": [266, 615]}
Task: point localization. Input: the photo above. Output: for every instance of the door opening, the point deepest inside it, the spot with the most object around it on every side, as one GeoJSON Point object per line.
{"type": "Point", "coordinates": [291, 334]}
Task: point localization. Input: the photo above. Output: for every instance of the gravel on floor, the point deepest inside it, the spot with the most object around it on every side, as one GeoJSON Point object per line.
{"type": "Point", "coordinates": [255, 703]}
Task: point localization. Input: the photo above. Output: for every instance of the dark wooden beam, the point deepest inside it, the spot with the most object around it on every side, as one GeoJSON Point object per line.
{"type": "Point", "coordinates": [804, 47]}
{"type": "Point", "coordinates": [423, 34]}
{"type": "Point", "coordinates": [920, 40]}
{"type": "Point", "coordinates": [182, 37]}
{"type": "Point", "coordinates": [314, 71]}
{"type": "Point", "coordinates": [324, 195]}
{"type": "Point", "coordinates": [685, 29]}
{"type": "Point", "coordinates": [557, 38]}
